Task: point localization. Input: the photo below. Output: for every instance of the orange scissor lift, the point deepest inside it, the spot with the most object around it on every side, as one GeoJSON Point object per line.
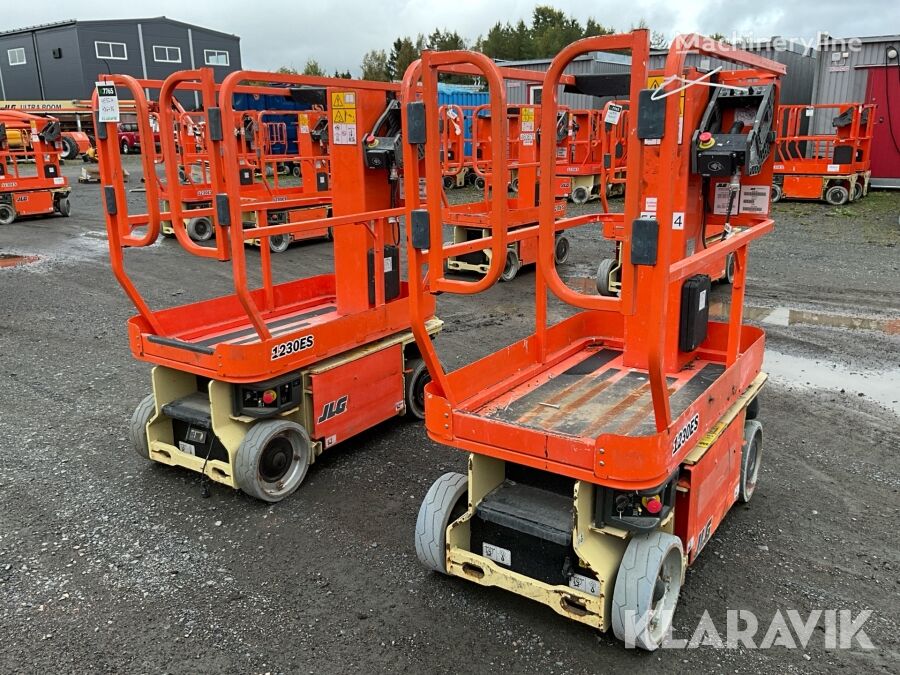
{"type": "Point", "coordinates": [473, 220]}
{"type": "Point", "coordinates": [263, 157]}
{"type": "Point", "coordinates": [31, 183]}
{"type": "Point", "coordinates": [593, 151]}
{"type": "Point", "coordinates": [605, 449]}
{"type": "Point", "coordinates": [249, 388]}
{"type": "Point", "coordinates": [834, 167]}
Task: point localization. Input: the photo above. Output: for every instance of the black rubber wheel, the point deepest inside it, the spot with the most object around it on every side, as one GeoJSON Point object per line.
{"type": "Point", "coordinates": [777, 193]}
{"type": "Point", "coordinates": [272, 460]}
{"type": "Point", "coordinates": [581, 195]}
{"type": "Point", "coordinates": [279, 243]}
{"type": "Point", "coordinates": [64, 207]}
{"type": "Point", "coordinates": [511, 267]}
{"type": "Point", "coordinates": [857, 191]}
{"type": "Point", "coordinates": [837, 195]}
{"type": "Point", "coordinates": [200, 228]}
{"type": "Point", "coordinates": [445, 501]}
{"type": "Point", "coordinates": [514, 186]}
{"type": "Point", "coordinates": [751, 454]}
{"type": "Point", "coordinates": [137, 428]}
{"type": "Point", "coordinates": [470, 178]}
{"type": "Point", "coordinates": [69, 148]}
{"type": "Point", "coordinates": [480, 183]}
{"type": "Point", "coordinates": [729, 269]}
{"type": "Point", "coordinates": [295, 171]}
{"type": "Point", "coordinates": [126, 149]}
{"type": "Point", "coordinates": [561, 252]}
{"type": "Point", "coordinates": [416, 376]}
{"type": "Point", "coordinates": [7, 214]}
{"type": "Point", "coordinates": [449, 182]}
{"type": "Point", "coordinates": [603, 272]}
{"type": "Point", "coordinates": [753, 408]}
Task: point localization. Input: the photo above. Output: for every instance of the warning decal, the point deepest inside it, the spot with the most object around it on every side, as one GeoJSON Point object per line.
{"type": "Point", "coordinates": [755, 199]}
{"type": "Point", "coordinates": [527, 117]}
{"type": "Point", "coordinates": [343, 117]}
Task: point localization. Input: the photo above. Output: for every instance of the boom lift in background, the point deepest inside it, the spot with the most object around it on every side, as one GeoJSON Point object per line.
{"type": "Point", "coordinates": [604, 449]}
{"type": "Point", "coordinates": [249, 388]}
{"type": "Point", "coordinates": [835, 166]}
{"type": "Point", "coordinates": [31, 183]}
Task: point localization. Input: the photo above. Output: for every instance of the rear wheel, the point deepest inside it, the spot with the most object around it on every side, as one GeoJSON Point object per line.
{"type": "Point", "coordinates": [200, 228]}
{"type": "Point", "coordinates": [272, 460]}
{"type": "Point", "coordinates": [7, 214]}
{"type": "Point", "coordinates": [777, 193]}
{"type": "Point", "coordinates": [511, 266]}
{"type": "Point", "coordinates": [137, 429]}
{"type": "Point", "coordinates": [837, 195]}
{"type": "Point", "coordinates": [416, 377]}
{"type": "Point", "coordinates": [751, 454]}
{"type": "Point", "coordinates": [647, 587]}
{"type": "Point", "coordinates": [64, 207]}
{"type": "Point", "coordinates": [449, 182]}
{"type": "Point", "coordinates": [857, 191]}
{"type": "Point", "coordinates": [581, 195]}
{"type": "Point", "coordinates": [444, 502]}
{"type": "Point", "coordinates": [69, 148]}
{"type": "Point", "coordinates": [604, 271]}
{"type": "Point", "coordinates": [480, 183]}
{"type": "Point", "coordinates": [561, 252]}
{"type": "Point", "coordinates": [729, 269]}
{"type": "Point", "coordinates": [279, 243]}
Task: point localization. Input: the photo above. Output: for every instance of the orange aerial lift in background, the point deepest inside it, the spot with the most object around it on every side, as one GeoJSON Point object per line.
{"type": "Point", "coordinates": [835, 166]}
{"type": "Point", "coordinates": [31, 183]}
{"type": "Point", "coordinates": [249, 388]}
{"type": "Point", "coordinates": [605, 448]}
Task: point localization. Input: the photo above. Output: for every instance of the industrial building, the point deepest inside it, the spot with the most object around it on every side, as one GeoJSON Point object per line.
{"type": "Point", "coordinates": [62, 60]}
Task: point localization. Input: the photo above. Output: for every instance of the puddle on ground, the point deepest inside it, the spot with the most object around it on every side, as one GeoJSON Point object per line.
{"type": "Point", "coordinates": [779, 316]}
{"type": "Point", "coordinates": [14, 260]}
{"type": "Point", "coordinates": [880, 386]}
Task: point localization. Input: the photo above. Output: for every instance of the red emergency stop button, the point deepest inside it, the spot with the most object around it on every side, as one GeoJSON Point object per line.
{"type": "Point", "coordinates": [269, 396]}
{"type": "Point", "coordinates": [653, 505]}
{"type": "Point", "coordinates": [706, 140]}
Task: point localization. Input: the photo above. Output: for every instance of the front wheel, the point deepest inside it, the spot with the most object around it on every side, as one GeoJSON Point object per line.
{"type": "Point", "coordinates": [416, 377]}
{"type": "Point", "coordinates": [837, 195]}
{"type": "Point", "coordinates": [137, 429]}
{"type": "Point", "coordinates": [646, 591]}
{"type": "Point", "coordinates": [64, 207]}
{"type": "Point", "coordinates": [751, 453]}
{"type": "Point", "coordinates": [858, 191]}
{"type": "Point", "coordinates": [777, 193]}
{"type": "Point", "coordinates": [605, 271]}
{"type": "Point", "coordinates": [511, 266]}
{"type": "Point", "coordinates": [200, 228]}
{"type": "Point", "coordinates": [444, 502]}
{"type": "Point", "coordinates": [272, 460]}
{"type": "Point", "coordinates": [561, 252]}
{"type": "Point", "coordinates": [581, 195]}
{"type": "Point", "coordinates": [7, 214]}
{"type": "Point", "coordinates": [279, 243]}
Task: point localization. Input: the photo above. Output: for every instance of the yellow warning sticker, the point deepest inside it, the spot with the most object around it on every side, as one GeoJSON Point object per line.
{"type": "Point", "coordinates": [343, 99]}
{"type": "Point", "coordinates": [342, 116]}
{"type": "Point", "coordinates": [655, 82]}
{"type": "Point", "coordinates": [527, 118]}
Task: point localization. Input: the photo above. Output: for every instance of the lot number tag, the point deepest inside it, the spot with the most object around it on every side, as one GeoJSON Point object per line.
{"type": "Point", "coordinates": [107, 102]}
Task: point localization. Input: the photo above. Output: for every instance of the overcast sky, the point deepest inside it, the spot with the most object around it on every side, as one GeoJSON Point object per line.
{"type": "Point", "coordinates": [338, 32]}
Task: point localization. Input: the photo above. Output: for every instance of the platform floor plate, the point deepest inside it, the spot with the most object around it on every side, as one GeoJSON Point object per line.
{"type": "Point", "coordinates": [592, 393]}
{"type": "Point", "coordinates": [278, 325]}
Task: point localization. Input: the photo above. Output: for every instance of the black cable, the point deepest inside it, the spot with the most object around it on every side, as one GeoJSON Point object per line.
{"type": "Point", "coordinates": [204, 479]}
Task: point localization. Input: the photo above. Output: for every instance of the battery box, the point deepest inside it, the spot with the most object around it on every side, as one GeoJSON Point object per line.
{"type": "Point", "coordinates": [694, 312]}
{"type": "Point", "coordinates": [391, 273]}
{"type": "Point", "coordinates": [192, 427]}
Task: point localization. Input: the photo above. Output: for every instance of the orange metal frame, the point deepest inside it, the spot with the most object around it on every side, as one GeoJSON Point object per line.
{"type": "Point", "coordinates": [641, 324]}
{"type": "Point", "coordinates": [30, 176]}
{"type": "Point", "coordinates": [257, 333]}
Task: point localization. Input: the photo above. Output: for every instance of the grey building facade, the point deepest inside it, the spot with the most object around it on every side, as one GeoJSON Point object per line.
{"type": "Point", "coordinates": [62, 60]}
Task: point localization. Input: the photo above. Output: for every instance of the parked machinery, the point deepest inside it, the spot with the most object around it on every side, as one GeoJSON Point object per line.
{"type": "Point", "coordinates": [592, 151]}
{"type": "Point", "coordinates": [275, 148]}
{"type": "Point", "coordinates": [834, 166]}
{"type": "Point", "coordinates": [472, 221]}
{"type": "Point", "coordinates": [31, 183]}
{"type": "Point", "coordinates": [249, 388]}
{"type": "Point", "coordinates": [604, 449]}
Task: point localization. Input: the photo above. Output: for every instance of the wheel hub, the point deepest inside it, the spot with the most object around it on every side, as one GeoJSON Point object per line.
{"type": "Point", "coordinates": [276, 459]}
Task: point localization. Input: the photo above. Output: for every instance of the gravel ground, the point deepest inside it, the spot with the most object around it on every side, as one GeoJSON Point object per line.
{"type": "Point", "coordinates": [110, 564]}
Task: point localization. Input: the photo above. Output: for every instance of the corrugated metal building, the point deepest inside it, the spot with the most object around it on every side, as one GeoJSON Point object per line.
{"type": "Point", "coordinates": [596, 63]}
{"type": "Point", "coordinates": [62, 60]}
{"type": "Point", "coordinates": [797, 85]}
{"type": "Point", "coordinates": [866, 70]}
